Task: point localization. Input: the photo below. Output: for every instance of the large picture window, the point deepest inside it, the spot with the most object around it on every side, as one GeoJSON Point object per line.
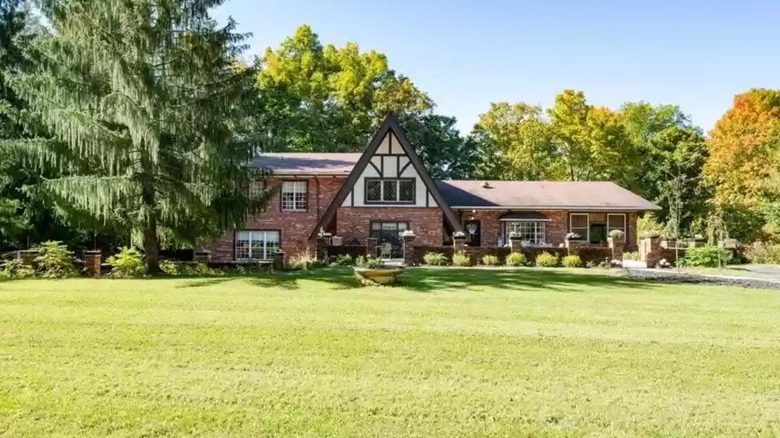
{"type": "Point", "coordinates": [256, 245]}
{"type": "Point", "coordinates": [294, 195]}
{"type": "Point", "coordinates": [531, 232]}
{"type": "Point", "coordinates": [390, 191]}
{"type": "Point", "coordinates": [580, 224]}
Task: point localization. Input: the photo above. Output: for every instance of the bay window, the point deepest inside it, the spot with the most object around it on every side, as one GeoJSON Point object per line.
{"type": "Point", "coordinates": [256, 245]}
{"type": "Point", "coordinates": [531, 232]}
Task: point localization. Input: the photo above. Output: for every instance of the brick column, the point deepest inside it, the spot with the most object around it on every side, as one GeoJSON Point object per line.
{"type": "Point", "coordinates": [573, 246]}
{"type": "Point", "coordinates": [617, 247]}
{"type": "Point", "coordinates": [371, 244]}
{"type": "Point", "coordinates": [92, 261]}
{"type": "Point", "coordinates": [321, 251]}
{"type": "Point", "coordinates": [458, 243]}
{"type": "Point", "coordinates": [278, 259]}
{"type": "Point", "coordinates": [650, 250]}
{"type": "Point", "coordinates": [203, 256]}
{"type": "Point", "coordinates": [516, 244]}
{"type": "Point", "coordinates": [408, 249]}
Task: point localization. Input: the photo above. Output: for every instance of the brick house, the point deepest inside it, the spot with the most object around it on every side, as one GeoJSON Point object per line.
{"type": "Point", "coordinates": [386, 190]}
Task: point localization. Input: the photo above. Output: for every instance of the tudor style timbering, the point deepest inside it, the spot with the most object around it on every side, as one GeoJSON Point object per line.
{"type": "Point", "coordinates": [389, 180]}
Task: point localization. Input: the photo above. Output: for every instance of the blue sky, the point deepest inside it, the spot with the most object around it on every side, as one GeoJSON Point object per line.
{"type": "Point", "coordinates": [465, 54]}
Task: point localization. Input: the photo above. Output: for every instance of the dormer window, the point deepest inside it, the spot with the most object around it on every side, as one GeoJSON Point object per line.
{"type": "Point", "coordinates": [390, 190]}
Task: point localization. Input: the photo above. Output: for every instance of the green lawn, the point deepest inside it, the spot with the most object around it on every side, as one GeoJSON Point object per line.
{"type": "Point", "coordinates": [453, 353]}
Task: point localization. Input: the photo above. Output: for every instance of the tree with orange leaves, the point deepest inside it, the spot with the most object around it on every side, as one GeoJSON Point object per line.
{"type": "Point", "coordinates": [743, 148]}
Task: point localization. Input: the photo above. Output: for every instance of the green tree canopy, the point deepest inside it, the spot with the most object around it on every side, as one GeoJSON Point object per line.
{"type": "Point", "coordinates": [139, 100]}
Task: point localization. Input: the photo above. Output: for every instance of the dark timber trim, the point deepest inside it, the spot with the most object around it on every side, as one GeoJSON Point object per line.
{"type": "Point", "coordinates": [389, 125]}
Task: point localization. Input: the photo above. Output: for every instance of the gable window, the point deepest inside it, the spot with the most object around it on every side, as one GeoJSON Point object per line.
{"type": "Point", "coordinates": [531, 232]}
{"type": "Point", "coordinates": [294, 195]}
{"type": "Point", "coordinates": [580, 223]}
{"type": "Point", "coordinates": [390, 190]}
{"type": "Point", "coordinates": [256, 245]}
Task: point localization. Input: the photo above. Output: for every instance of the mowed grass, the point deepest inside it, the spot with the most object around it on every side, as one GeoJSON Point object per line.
{"type": "Point", "coordinates": [452, 353]}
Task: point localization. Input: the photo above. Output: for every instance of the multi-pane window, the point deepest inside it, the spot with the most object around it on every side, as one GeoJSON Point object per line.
{"type": "Point", "coordinates": [580, 224]}
{"type": "Point", "coordinates": [256, 188]}
{"type": "Point", "coordinates": [294, 196]}
{"type": "Point", "coordinates": [531, 232]}
{"type": "Point", "coordinates": [616, 222]}
{"type": "Point", "coordinates": [256, 245]}
{"type": "Point", "coordinates": [396, 191]}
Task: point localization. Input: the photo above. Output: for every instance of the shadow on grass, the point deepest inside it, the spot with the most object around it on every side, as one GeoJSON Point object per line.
{"type": "Point", "coordinates": [203, 282]}
{"type": "Point", "coordinates": [453, 279]}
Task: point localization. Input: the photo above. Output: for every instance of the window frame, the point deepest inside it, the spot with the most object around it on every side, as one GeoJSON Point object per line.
{"type": "Point", "coordinates": [305, 197]}
{"type": "Point", "coordinates": [536, 229]}
{"type": "Point", "coordinates": [625, 224]}
{"type": "Point", "coordinates": [265, 244]}
{"type": "Point", "coordinates": [254, 184]}
{"type": "Point", "coordinates": [583, 237]}
{"type": "Point", "coordinates": [382, 182]}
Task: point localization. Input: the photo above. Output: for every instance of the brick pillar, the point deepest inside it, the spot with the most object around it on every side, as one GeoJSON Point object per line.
{"type": "Point", "coordinates": [371, 244]}
{"type": "Point", "coordinates": [203, 256]}
{"type": "Point", "coordinates": [92, 261]}
{"type": "Point", "coordinates": [408, 249]}
{"type": "Point", "coordinates": [650, 250]}
{"type": "Point", "coordinates": [321, 251]}
{"type": "Point", "coordinates": [573, 246]}
{"type": "Point", "coordinates": [27, 256]}
{"type": "Point", "coordinates": [458, 243]}
{"type": "Point", "coordinates": [617, 247]}
{"type": "Point", "coordinates": [278, 259]}
{"type": "Point", "coordinates": [516, 244]}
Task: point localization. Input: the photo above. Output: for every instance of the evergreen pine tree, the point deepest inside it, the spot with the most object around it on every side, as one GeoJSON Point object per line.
{"type": "Point", "coordinates": [141, 98]}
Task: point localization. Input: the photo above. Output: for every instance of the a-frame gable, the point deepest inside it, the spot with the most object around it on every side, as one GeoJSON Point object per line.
{"type": "Point", "coordinates": [389, 154]}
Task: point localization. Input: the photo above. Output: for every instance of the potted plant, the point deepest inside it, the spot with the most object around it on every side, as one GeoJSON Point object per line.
{"type": "Point", "coordinates": [572, 236]}
{"type": "Point", "coordinates": [459, 235]}
{"type": "Point", "coordinates": [617, 236]}
{"type": "Point", "coordinates": [407, 233]}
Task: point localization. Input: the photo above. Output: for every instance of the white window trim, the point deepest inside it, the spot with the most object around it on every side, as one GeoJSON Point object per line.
{"type": "Point", "coordinates": [542, 222]}
{"type": "Point", "coordinates": [625, 223]}
{"type": "Point", "coordinates": [295, 191]}
{"type": "Point", "coordinates": [252, 233]}
{"type": "Point", "coordinates": [587, 216]}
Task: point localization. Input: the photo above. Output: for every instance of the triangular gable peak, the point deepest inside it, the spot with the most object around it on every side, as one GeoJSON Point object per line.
{"type": "Point", "coordinates": [389, 156]}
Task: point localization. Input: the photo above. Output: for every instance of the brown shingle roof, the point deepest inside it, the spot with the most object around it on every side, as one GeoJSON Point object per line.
{"type": "Point", "coordinates": [541, 195]}
{"type": "Point", "coordinates": [307, 163]}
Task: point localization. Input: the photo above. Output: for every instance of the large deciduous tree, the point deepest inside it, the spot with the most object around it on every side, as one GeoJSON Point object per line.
{"type": "Point", "coordinates": [743, 151]}
{"type": "Point", "coordinates": [140, 100]}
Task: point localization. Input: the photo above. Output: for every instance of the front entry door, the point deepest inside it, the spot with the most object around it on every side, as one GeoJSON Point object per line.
{"type": "Point", "coordinates": [390, 232]}
{"type": "Point", "coordinates": [473, 232]}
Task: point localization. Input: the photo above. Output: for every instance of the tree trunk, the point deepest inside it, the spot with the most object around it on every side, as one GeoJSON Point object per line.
{"type": "Point", "coordinates": [151, 248]}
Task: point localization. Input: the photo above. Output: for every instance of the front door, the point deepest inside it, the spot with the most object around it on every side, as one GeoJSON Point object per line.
{"type": "Point", "coordinates": [390, 232]}
{"type": "Point", "coordinates": [473, 232]}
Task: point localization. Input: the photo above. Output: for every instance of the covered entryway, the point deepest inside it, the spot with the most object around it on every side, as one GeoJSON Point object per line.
{"type": "Point", "coordinates": [389, 233]}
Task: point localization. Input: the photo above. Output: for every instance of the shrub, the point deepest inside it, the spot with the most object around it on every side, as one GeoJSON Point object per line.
{"type": "Point", "coordinates": [617, 235]}
{"type": "Point", "coordinates": [636, 256]}
{"type": "Point", "coordinates": [301, 262]}
{"type": "Point", "coordinates": [572, 261]}
{"type": "Point", "coordinates": [170, 267]}
{"type": "Point", "coordinates": [435, 259]}
{"type": "Point", "coordinates": [16, 269]}
{"type": "Point", "coordinates": [516, 259]}
{"type": "Point", "coordinates": [55, 260]}
{"type": "Point", "coordinates": [490, 260]}
{"type": "Point", "coordinates": [198, 270]}
{"type": "Point", "coordinates": [128, 263]}
{"type": "Point", "coordinates": [547, 260]}
{"type": "Point", "coordinates": [344, 260]}
{"type": "Point", "coordinates": [460, 258]}
{"type": "Point", "coordinates": [368, 262]}
{"type": "Point", "coordinates": [763, 253]}
{"type": "Point", "coordinates": [707, 256]}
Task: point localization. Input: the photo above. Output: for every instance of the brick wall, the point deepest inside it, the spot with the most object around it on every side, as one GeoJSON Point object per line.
{"type": "Point", "coordinates": [355, 222]}
{"type": "Point", "coordinates": [295, 227]}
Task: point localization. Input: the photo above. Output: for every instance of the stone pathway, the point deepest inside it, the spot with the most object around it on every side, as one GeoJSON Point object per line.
{"type": "Point", "coordinates": [768, 280]}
